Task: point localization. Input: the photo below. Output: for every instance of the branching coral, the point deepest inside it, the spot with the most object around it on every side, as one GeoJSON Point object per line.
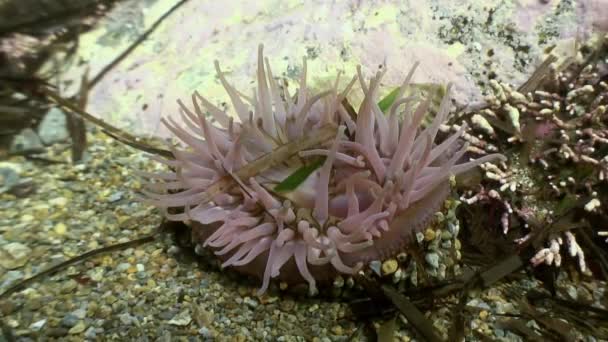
{"type": "Point", "coordinates": [558, 139]}
{"type": "Point", "coordinates": [382, 179]}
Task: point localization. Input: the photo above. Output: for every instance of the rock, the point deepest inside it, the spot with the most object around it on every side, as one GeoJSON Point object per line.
{"type": "Point", "coordinates": [78, 328]}
{"type": "Point", "coordinates": [167, 315]}
{"type": "Point", "coordinates": [116, 196]}
{"type": "Point", "coordinates": [339, 281]}
{"type": "Point", "coordinates": [27, 140]}
{"type": "Point", "coordinates": [70, 320]}
{"type": "Point", "coordinates": [69, 286]}
{"type": "Point", "coordinates": [123, 266]}
{"type": "Point", "coordinates": [205, 317]}
{"type": "Point", "coordinates": [252, 303]}
{"type": "Point", "coordinates": [429, 234]}
{"type": "Point", "coordinates": [97, 274]}
{"type": "Point", "coordinates": [56, 332]}
{"type": "Point", "coordinates": [389, 266]}
{"type": "Point", "coordinates": [479, 304]}
{"type": "Point", "coordinates": [59, 201]}
{"type": "Point", "coordinates": [60, 228]}
{"type": "Point", "coordinates": [174, 250]}
{"type": "Point", "coordinates": [572, 292]}
{"type": "Point", "coordinates": [128, 319]}
{"type": "Point", "coordinates": [10, 278]}
{"type": "Point", "coordinates": [500, 333]}
{"type": "Point", "coordinates": [181, 319]}
{"type": "Point", "coordinates": [52, 128]}
{"type": "Point", "coordinates": [584, 295]}
{"type": "Point", "coordinates": [91, 333]}
{"type": "Point", "coordinates": [36, 326]}
{"type": "Point", "coordinates": [504, 308]}
{"type": "Point", "coordinates": [9, 176]}
{"type": "Point", "coordinates": [80, 313]}
{"type": "Point", "coordinates": [432, 259]}
{"type": "Point", "coordinates": [7, 307]}
{"type": "Point", "coordinates": [337, 330]}
{"type": "Point", "coordinates": [287, 305]}
{"type": "Point", "coordinates": [205, 333]}
{"type": "Point", "coordinates": [376, 266]}
{"type": "Point", "coordinates": [14, 255]}
{"type": "Point", "coordinates": [34, 303]}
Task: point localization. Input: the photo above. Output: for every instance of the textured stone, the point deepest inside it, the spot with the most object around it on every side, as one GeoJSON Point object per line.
{"type": "Point", "coordinates": [14, 255]}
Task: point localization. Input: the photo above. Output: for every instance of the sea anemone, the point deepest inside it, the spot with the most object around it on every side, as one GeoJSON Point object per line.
{"type": "Point", "coordinates": [380, 176]}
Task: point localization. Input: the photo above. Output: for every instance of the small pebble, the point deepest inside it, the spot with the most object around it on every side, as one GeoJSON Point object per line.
{"type": "Point", "coordinates": [339, 281]}
{"type": "Point", "coordinates": [9, 176]}
{"type": "Point", "coordinates": [10, 278]}
{"type": "Point", "coordinates": [205, 333]}
{"type": "Point", "coordinates": [182, 319]}
{"type": "Point", "coordinates": [128, 319]}
{"type": "Point", "coordinates": [376, 266]}
{"type": "Point", "coordinates": [56, 332]}
{"type": "Point", "coordinates": [14, 255]}
{"type": "Point", "coordinates": [60, 228]}
{"type": "Point", "coordinates": [78, 328]}
{"type": "Point", "coordinates": [432, 259]}
{"type": "Point", "coordinates": [115, 197]}
{"type": "Point", "coordinates": [123, 266]}
{"type": "Point", "coordinates": [389, 266]}
{"type": "Point", "coordinates": [91, 333]}
{"type": "Point", "coordinates": [429, 234]}
{"type": "Point", "coordinates": [252, 303]}
{"type": "Point", "coordinates": [69, 286]}
{"type": "Point", "coordinates": [36, 326]}
{"type": "Point", "coordinates": [58, 201]}
{"type": "Point", "coordinates": [80, 313]}
{"type": "Point", "coordinates": [287, 305]}
{"type": "Point", "coordinates": [337, 330]}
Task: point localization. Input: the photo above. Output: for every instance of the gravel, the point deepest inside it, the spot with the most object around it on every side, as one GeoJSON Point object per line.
{"type": "Point", "coordinates": [164, 292]}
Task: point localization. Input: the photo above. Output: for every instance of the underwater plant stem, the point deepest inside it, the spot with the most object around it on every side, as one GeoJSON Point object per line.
{"type": "Point", "coordinates": [28, 281]}
{"type": "Point", "coordinates": [135, 44]}
{"type": "Point", "coordinates": [413, 314]}
{"type": "Point", "coordinates": [108, 129]}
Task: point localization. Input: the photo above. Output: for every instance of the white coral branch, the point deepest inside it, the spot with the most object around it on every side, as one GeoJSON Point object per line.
{"type": "Point", "coordinates": [551, 255]}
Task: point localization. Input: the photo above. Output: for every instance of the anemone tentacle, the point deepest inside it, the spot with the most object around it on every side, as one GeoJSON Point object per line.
{"type": "Point", "coordinates": [383, 176]}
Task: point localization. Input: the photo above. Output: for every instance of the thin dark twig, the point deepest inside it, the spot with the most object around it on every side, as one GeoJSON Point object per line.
{"type": "Point", "coordinates": [135, 44]}
{"type": "Point", "coordinates": [28, 281]}
{"type": "Point", "coordinates": [44, 160]}
{"type": "Point", "coordinates": [140, 146]}
{"type": "Point", "coordinates": [411, 312]}
{"type": "Point", "coordinates": [457, 330]}
{"type": "Point", "coordinates": [71, 106]}
{"type": "Point", "coordinates": [75, 124]}
{"type": "Point", "coordinates": [110, 130]}
{"type": "Point", "coordinates": [534, 296]}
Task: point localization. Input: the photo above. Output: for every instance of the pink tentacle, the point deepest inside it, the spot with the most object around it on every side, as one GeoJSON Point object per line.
{"type": "Point", "coordinates": [300, 256]}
